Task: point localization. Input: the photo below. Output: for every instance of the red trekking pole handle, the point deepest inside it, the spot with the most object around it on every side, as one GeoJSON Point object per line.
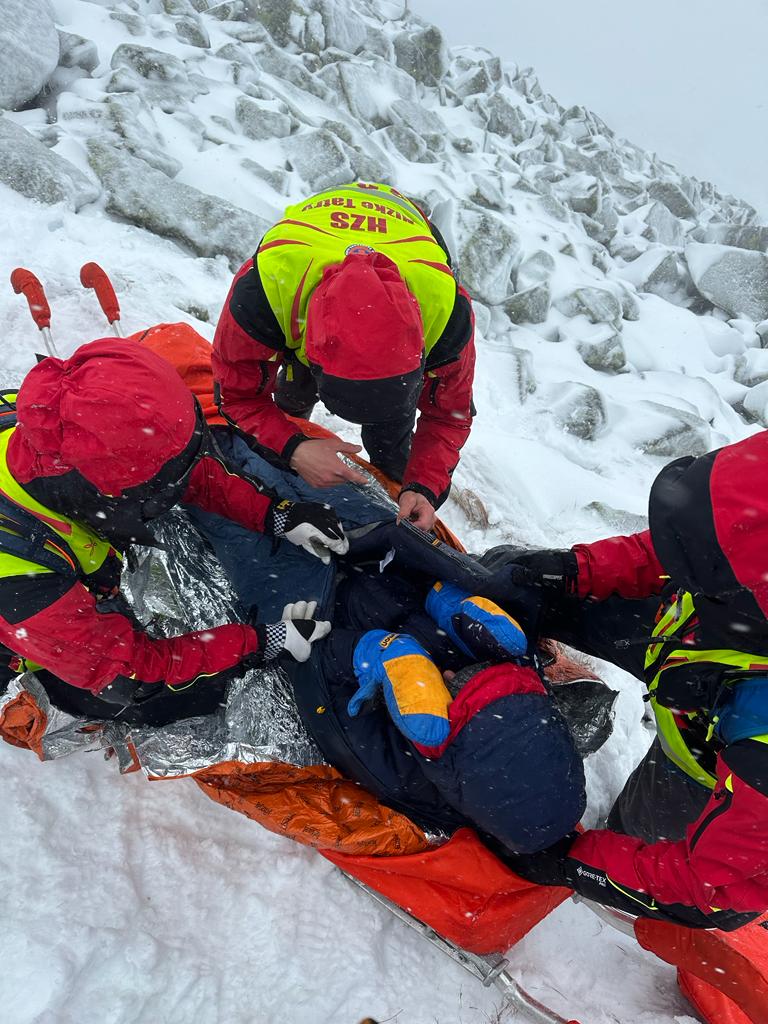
{"type": "Point", "coordinates": [92, 276]}
{"type": "Point", "coordinates": [25, 283]}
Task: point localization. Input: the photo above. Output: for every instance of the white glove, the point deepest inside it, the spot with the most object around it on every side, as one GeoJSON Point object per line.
{"type": "Point", "coordinates": [308, 525]}
{"type": "Point", "coordinates": [295, 633]}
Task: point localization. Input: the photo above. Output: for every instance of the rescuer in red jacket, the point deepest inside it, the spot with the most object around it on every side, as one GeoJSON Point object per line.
{"type": "Point", "coordinates": [683, 606]}
{"type": "Point", "coordinates": [352, 298]}
{"type": "Point", "coordinates": [93, 449]}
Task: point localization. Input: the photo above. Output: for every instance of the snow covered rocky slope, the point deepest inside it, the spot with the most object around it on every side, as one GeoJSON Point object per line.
{"type": "Point", "coordinates": [622, 308]}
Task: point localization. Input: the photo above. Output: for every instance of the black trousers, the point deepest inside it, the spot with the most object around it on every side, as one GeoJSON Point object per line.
{"type": "Point", "coordinates": [388, 444]}
{"type": "Point", "coordinates": [148, 704]}
{"type": "Point", "coordinates": [658, 799]}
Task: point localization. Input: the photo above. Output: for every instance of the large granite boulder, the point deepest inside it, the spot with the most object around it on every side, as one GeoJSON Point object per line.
{"type": "Point", "coordinates": [131, 118]}
{"type": "Point", "coordinates": [320, 158]}
{"type": "Point", "coordinates": [578, 409]}
{"type": "Point", "coordinates": [261, 122]}
{"type": "Point", "coordinates": [750, 236]}
{"type": "Point", "coordinates": [343, 27]}
{"type": "Point", "coordinates": [506, 119]}
{"type": "Point", "coordinates": [530, 306]}
{"type": "Point", "coordinates": [419, 119]}
{"type": "Point", "coordinates": [598, 304]}
{"type": "Point", "coordinates": [145, 197]}
{"type": "Point", "coordinates": [661, 272]}
{"type": "Point", "coordinates": [369, 88]}
{"type": "Point", "coordinates": [30, 168]}
{"type": "Point", "coordinates": [422, 54]}
{"type": "Point", "coordinates": [670, 432]}
{"type": "Point", "coordinates": [673, 197]}
{"type": "Point", "coordinates": [29, 50]}
{"type": "Point", "coordinates": [755, 404]}
{"type": "Point", "coordinates": [735, 280]}
{"type": "Point", "coordinates": [488, 250]}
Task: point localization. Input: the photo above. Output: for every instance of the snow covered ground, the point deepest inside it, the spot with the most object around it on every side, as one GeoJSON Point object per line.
{"type": "Point", "coordinates": [129, 902]}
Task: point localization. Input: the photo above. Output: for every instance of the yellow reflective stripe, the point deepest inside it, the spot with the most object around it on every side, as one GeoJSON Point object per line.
{"type": "Point", "coordinates": [674, 620]}
{"type": "Point", "coordinates": [675, 748]}
{"type": "Point", "coordinates": [417, 686]}
{"type": "Point", "coordinates": [760, 739]}
{"type": "Point", "coordinates": [289, 272]}
{"type": "Point", "coordinates": [78, 541]}
{"type": "Point", "coordinates": [729, 783]}
{"type": "Point", "coordinates": [632, 896]}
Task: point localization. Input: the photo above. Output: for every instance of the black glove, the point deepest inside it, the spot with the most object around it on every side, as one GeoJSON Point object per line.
{"type": "Point", "coordinates": [555, 571]}
{"type": "Point", "coordinates": [528, 584]}
{"type": "Point", "coordinates": [294, 634]}
{"type": "Point", "coordinates": [547, 867]}
{"type": "Point", "coordinates": [309, 525]}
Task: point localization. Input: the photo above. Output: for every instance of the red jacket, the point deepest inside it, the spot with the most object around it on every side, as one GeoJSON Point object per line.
{"type": "Point", "coordinates": [723, 860]}
{"type": "Point", "coordinates": [246, 371]}
{"type": "Point", "coordinates": [49, 620]}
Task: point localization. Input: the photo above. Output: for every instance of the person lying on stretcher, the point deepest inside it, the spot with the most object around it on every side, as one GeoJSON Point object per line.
{"type": "Point", "coordinates": [426, 696]}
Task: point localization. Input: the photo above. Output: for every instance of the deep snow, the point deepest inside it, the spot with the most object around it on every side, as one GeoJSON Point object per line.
{"type": "Point", "coordinates": [139, 903]}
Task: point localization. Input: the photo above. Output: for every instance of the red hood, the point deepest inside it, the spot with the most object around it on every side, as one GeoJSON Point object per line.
{"type": "Point", "coordinates": [363, 323]}
{"type": "Point", "coordinates": [113, 411]}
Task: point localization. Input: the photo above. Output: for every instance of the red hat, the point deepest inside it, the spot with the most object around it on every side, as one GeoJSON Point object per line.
{"type": "Point", "coordinates": [114, 412]}
{"type": "Point", "coordinates": [365, 338]}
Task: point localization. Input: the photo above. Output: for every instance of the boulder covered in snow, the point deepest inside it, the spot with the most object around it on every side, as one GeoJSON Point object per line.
{"type": "Point", "coordinates": [419, 119]}
{"type": "Point", "coordinates": [320, 158]}
{"type": "Point", "coordinates": [29, 50]}
{"type": "Point", "coordinates": [147, 198]}
{"type": "Point", "coordinates": [261, 122]}
{"type": "Point", "coordinates": [369, 88]}
{"type": "Point", "coordinates": [29, 167]}
{"type": "Point", "coordinates": [506, 119]}
{"type": "Point", "coordinates": [599, 345]}
{"type": "Point", "coordinates": [661, 272]}
{"type": "Point", "coordinates": [422, 54]}
{"type": "Point", "coordinates": [488, 251]}
{"type": "Point", "coordinates": [670, 432]}
{"type": "Point", "coordinates": [673, 197]}
{"type": "Point", "coordinates": [578, 409]}
{"type": "Point", "coordinates": [530, 306]}
{"type": "Point", "coordinates": [756, 403]}
{"type": "Point", "coordinates": [735, 280]}
{"type": "Point", "coordinates": [751, 236]}
{"type": "Point", "coordinates": [598, 304]}
{"type": "Point", "coordinates": [751, 367]}
{"type": "Point", "coordinates": [131, 118]}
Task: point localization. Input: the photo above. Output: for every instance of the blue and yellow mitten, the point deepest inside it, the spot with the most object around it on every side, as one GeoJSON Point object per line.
{"type": "Point", "coordinates": [416, 696]}
{"type": "Point", "coordinates": [480, 628]}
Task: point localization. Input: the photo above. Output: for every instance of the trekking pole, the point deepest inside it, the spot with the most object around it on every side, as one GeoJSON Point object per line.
{"type": "Point", "coordinates": [25, 283]}
{"type": "Point", "coordinates": [92, 276]}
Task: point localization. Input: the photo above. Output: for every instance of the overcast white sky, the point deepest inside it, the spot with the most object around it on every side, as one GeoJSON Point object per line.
{"type": "Point", "coordinates": [687, 79]}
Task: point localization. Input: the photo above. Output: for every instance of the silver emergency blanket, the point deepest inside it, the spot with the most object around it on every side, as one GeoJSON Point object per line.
{"type": "Point", "coordinates": [64, 734]}
{"type": "Point", "coordinates": [180, 587]}
{"type": "Point", "coordinates": [173, 589]}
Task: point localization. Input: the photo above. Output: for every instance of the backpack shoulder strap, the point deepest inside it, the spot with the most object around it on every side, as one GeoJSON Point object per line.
{"type": "Point", "coordinates": [8, 416]}
{"type": "Point", "coordinates": [25, 536]}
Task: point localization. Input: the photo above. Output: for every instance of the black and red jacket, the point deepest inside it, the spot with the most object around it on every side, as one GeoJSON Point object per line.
{"type": "Point", "coordinates": [708, 536]}
{"type": "Point", "coordinates": [249, 348]}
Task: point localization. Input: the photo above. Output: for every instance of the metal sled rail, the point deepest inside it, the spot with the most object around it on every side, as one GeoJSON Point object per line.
{"type": "Point", "coordinates": [490, 970]}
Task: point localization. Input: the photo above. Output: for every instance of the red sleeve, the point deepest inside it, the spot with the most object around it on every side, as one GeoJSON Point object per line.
{"type": "Point", "coordinates": [626, 566]}
{"type": "Point", "coordinates": [246, 371]}
{"type": "Point", "coordinates": [445, 420]}
{"type": "Point", "coordinates": [213, 488]}
{"type": "Point", "coordinates": [721, 864]}
{"type": "Point", "coordinates": [86, 648]}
